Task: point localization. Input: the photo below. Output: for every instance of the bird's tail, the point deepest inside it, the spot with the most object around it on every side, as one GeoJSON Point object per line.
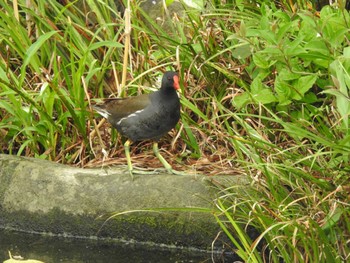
{"type": "Point", "coordinates": [100, 110]}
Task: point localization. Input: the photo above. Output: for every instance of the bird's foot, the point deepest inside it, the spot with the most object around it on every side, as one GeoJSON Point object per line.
{"type": "Point", "coordinates": [172, 171]}
{"type": "Point", "coordinates": [131, 174]}
{"type": "Point", "coordinates": [141, 171]}
{"type": "Point", "coordinates": [144, 171]}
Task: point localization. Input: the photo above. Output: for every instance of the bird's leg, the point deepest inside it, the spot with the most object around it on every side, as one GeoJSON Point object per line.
{"type": "Point", "coordinates": [127, 155]}
{"type": "Point", "coordinates": [156, 152]}
{"type": "Point", "coordinates": [131, 170]}
{"type": "Point", "coordinates": [162, 160]}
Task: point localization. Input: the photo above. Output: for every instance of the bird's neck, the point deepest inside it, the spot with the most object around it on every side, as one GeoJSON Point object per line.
{"type": "Point", "coordinates": [167, 91]}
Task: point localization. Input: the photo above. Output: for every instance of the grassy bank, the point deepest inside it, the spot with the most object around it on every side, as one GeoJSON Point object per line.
{"type": "Point", "coordinates": [265, 92]}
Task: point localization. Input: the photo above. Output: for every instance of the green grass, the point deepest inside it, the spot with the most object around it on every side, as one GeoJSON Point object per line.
{"type": "Point", "coordinates": [265, 93]}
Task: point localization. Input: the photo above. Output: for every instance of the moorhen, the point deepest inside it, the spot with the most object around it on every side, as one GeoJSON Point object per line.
{"type": "Point", "coordinates": [147, 116]}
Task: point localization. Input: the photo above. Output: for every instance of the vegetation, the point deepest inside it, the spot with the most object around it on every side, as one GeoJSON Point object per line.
{"type": "Point", "coordinates": [265, 93]}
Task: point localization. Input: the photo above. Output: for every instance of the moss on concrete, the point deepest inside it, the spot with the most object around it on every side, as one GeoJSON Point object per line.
{"type": "Point", "coordinates": [40, 196]}
{"type": "Point", "coordinates": [139, 227]}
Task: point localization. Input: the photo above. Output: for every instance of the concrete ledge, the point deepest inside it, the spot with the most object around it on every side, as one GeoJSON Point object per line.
{"type": "Point", "coordinates": [45, 197]}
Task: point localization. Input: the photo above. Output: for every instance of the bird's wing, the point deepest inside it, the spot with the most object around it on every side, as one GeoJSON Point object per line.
{"type": "Point", "coordinates": [122, 107]}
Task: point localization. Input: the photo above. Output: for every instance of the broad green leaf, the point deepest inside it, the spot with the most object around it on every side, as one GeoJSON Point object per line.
{"type": "Point", "coordinates": [310, 98]}
{"type": "Point", "coordinates": [317, 46]}
{"type": "Point", "coordinates": [273, 51]}
{"type": "Point", "coordinates": [334, 28]}
{"type": "Point", "coordinates": [282, 31]}
{"type": "Point", "coordinates": [239, 101]}
{"type": "Point", "coordinates": [341, 80]}
{"type": "Point", "coordinates": [197, 4]}
{"type": "Point", "coordinates": [346, 53]}
{"type": "Point", "coordinates": [265, 96]}
{"type": "Point", "coordinates": [303, 85]}
{"type": "Point", "coordinates": [242, 52]}
{"type": "Point", "coordinates": [283, 90]}
{"type": "Point", "coordinates": [252, 32]}
{"type": "Point", "coordinates": [269, 36]}
{"type": "Point", "coordinates": [283, 16]}
{"type": "Point", "coordinates": [294, 48]}
{"type": "Point", "coordinates": [286, 75]}
{"type": "Point", "coordinates": [256, 85]}
{"type": "Point", "coordinates": [263, 60]}
{"type": "Point", "coordinates": [307, 21]}
{"type": "Point", "coordinates": [242, 29]}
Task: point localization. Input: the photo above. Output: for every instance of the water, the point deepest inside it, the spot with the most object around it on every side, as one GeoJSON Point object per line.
{"type": "Point", "coordinates": [71, 250]}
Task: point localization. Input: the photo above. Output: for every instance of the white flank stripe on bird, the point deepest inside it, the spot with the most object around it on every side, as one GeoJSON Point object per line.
{"type": "Point", "coordinates": [129, 116]}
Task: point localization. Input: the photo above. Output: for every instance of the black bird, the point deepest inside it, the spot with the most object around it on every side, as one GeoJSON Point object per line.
{"type": "Point", "coordinates": [147, 116]}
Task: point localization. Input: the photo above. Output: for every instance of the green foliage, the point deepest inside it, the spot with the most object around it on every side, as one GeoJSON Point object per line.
{"type": "Point", "coordinates": [295, 144]}
{"type": "Point", "coordinates": [296, 50]}
{"type": "Point", "coordinates": [266, 94]}
{"type": "Point", "coordinates": [340, 69]}
{"type": "Point", "coordinates": [42, 66]}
